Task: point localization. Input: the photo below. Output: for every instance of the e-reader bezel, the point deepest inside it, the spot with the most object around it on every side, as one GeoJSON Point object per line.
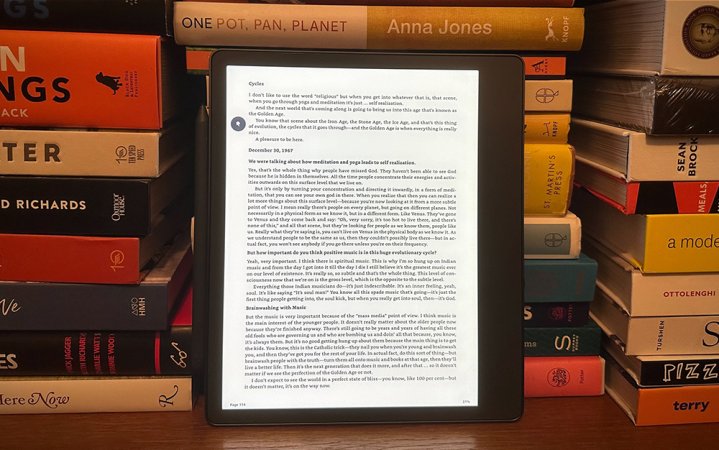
{"type": "Point", "coordinates": [499, 228]}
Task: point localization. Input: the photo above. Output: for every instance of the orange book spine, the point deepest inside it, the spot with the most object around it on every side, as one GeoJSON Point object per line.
{"type": "Point", "coordinates": [71, 259]}
{"type": "Point", "coordinates": [93, 80]}
{"type": "Point", "coordinates": [546, 128]}
{"type": "Point", "coordinates": [560, 376]}
{"type": "Point", "coordinates": [678, 405]}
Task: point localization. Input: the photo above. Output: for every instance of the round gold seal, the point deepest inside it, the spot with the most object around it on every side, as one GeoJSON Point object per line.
{"type": "Point", "coordinates": [701, 32]}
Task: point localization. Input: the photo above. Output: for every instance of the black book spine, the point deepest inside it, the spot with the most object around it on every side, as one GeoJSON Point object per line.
{"type": "Point", "coordinates": [556, 314]}
{"type": "Point", "coordinates": [75, 206]}
{"type": "Point", "coordinates": [96, 353]}
{"type": "Point", "coordinates": [75, 306]}
{"type": "Point", "coordinates": [119, 16]}
{"type": "Point", "coordinates": [679, 372]}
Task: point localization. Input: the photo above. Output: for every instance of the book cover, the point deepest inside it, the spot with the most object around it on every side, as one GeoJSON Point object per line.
{"type": "Point", "coordinates": [546, 128]}
{"type": "Point", "coordinates": [670, 370]}
{"type": "Point", "coordinates": [97, 353]}
{"type": "Point", "coordinates": [654, 243]}
{"type": "Point", "coordinates": [548, 174]}
{"type": "Point", "coordinates": [56, 395]}
{"type": "Point", "coordinates": [658, 105]}
{"type": "Point", "coordinates": [666, 37]}
{"type": "Point", "coordinates": [558, 314]}
{"type": "Point", "coordinates": [199, 23]}
{"type": "Point", "coordinates": [561, 376]}
{"type": "Point", "coordinates": [666, 405]}
{"type": "Point", "coordinates": [87, 206]}
{"type": "Point", "coordinates": [647, 197]}
{"type": "Point", "coordinates": [548, 95]}
{"type": "Point", "coordinates": [138, 80]}
{"type": "Point", "coordinates": [92, 153]}
{"type": "Point", "coordinates": [86, 259]}
{"type": "Point", "coordinates": [84, 306]}
{"type": "Point", "coordinates": [120, 16]}
{"type": "Point", "coordinates": [656, 335]}
{"type": "Point", "coordinates": [552, 237]}
{"type": "Point", "coordinates": [646, 294]}
{"type": "Point", "coordinates": [641, 157]}
{"type": "Point", "coordinates": [584, 340]}
{"type": "Point", "coordinates": [559, 280]}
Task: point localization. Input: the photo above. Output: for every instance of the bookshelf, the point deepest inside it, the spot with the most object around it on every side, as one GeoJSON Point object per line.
{"type": "Point", "coordinates": [548, 423]}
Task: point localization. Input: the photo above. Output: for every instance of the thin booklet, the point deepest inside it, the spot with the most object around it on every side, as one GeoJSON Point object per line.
{"type": "Point", "coordinates": [365, 237]}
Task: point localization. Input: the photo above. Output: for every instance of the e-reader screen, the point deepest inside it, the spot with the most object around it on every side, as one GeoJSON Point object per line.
{"type": "Point", "coordinates": [348, 246]}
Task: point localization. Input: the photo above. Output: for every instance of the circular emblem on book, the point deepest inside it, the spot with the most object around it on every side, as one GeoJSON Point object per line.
{"type": "Point", "coordinates": [700, 33]}
{"type": "Point", "coordinates": [558, 377]}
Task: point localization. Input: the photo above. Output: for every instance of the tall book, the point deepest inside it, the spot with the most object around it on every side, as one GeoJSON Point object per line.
{"type": "Point", "coordinates": [563, 376]}
{"type": "Point", "coordinates": [651, 104]}
{"type": "Point", "coordinates": [548, 174]}
{"type": "Point", "coordinates": [552, 237]}
{"type": "Point", "coordinates": [92, 153]}
{"type": "Point", "coordinates": [97, 206]}
{"type": "Point", "coordinates": [84, 306]}
{"type": "Point", "coordinates": [559, 280]}
{"type": "Point", "coordinates": [122, 16]}
{"type": "Point", "coordinates": [647, 197]}
{"type": "Point", "coordinates": [654, 243]}
{"type": "Point", "coordinates": [139, 80]}
{"type": "Point", "coordinates": [200, 23]}
{"type": "Point", "coordinates": [648, 294]}
{"type": "Point", "coordinates": [666, 37]}
{"type": "Point", "coordinates": [638, 156]}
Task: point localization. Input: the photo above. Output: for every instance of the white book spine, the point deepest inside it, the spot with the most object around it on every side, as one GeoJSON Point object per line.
{"type": "Point", "coordinates": [552, 237]}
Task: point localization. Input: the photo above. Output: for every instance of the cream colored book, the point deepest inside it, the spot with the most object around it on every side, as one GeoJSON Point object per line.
{"type": "Point", "coordinates": [552, 237]}
{"type": "Point", "coordinates": [548, 95]}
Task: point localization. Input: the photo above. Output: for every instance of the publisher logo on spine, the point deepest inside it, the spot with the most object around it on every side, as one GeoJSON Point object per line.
{"type": "Point", "coordinates": [558, 377]}
{"type": "Point", "coordinates": [117, 257]}
{"type": "Point", "coordinates": [700, 33]}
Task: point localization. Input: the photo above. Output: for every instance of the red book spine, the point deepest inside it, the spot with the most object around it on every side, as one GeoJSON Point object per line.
{"type": "Point", "coordinates": [76, 259]}
{"type": "Point", "coordinates": [563, 376]}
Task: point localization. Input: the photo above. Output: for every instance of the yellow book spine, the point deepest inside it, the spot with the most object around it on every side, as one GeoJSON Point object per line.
{"type": "Point", "coordinates": [548, 172]}
{"type": "Point", "coordinates": [681, 243]}
{"type": "Point", "coordinates": [546, 128]}
{"type": "Point", "coordinates": [378, 27]}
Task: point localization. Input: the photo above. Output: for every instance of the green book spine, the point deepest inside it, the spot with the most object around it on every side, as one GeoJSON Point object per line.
{"type": "Point", "coordinates": [552, 341]}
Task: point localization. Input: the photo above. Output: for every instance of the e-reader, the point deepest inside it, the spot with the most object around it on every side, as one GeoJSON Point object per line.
{"type": "Point", "coordinates": [364, 242]}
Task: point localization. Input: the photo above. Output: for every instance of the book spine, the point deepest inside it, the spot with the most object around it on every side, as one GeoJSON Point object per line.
{"type": "Point", "coordinates": [42, 87]}
{"type": "Point", "coordinates": [542, 128]}
{"type": "Point", "coordinates": [673, 197]}
{"type": "Point", "coordinates": [377, 27]}
{"type": "Point", "coordinates": [554, 341]}
{"type": "Point", "coordinates": [90, 395]}
{"type": "Point", "coordinates": [70, 306]}
{"type": "Point", "coordinates": [548, 95]}
{"type": "Point", "coordinates": [552, 237]}
{"type": "Point", "coordinates": [679, 372]}
{"type": "Point", "coordinates": [560, 280]}
{"type": "Point", "coordinates": [559, 376]}
{"type": "Point", "coordinates": [548, 173]}
{"type": "Point", "coordinates": [513, 3]}
{"type": "Point", "coordinates": [146, 17]}
{"type": "Point", "coordinates": [95, 353]}
{"type": "Point", "coordinates": [69, 259]}
{"type": "Point", "coordinates": [556, 314]}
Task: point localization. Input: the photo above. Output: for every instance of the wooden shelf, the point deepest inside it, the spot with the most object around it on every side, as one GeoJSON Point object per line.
{"type": "Point", "coordinates": [549, 423]}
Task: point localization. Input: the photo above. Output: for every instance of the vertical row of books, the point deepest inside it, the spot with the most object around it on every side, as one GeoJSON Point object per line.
{"type": "Point", "coordinates": [95, 187]}
{"type": "Point", "coordinates": [646, 134]}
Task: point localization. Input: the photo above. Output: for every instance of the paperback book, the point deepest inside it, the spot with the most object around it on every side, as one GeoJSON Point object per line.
{"type": "Point", "coordinates": [563, 376]}
{"type": "Point", "coordinates": [548, 174]}
{"type": "Point", "coordinates": [560, 314]}
{"type": "Point", "coordinates": [559, 280]}
{"type": "Point", "coordinates": [552, 237]}
{"type": "Point", "coordinates": [581, 340]}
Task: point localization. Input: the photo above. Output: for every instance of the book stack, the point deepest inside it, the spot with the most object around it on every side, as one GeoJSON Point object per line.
{"type": "Point", "coordinates": [95, 204]}
{"type": "Point", "coordinates": [647, 182]}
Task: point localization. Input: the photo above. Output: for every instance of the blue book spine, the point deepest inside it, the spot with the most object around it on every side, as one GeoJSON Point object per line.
{"type": "Point", "coordinates": [559, 280]}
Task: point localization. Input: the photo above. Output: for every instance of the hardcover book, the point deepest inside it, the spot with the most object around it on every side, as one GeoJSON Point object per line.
{"type": "Point", "coordinates": [97, 353]}
{"type": "Point", "coordinates": [139, 80]}
{"type": "Point", "coordinates": [654, 243]}
{"type": "Point", "coordinates": [121, 16]}
{"type": "Point", "coordinates": [641, 157]}
{"type": "Point", "coordinates": [552, 237]}
{"type": "Point", "coordinates": [56, 395]}
{"type": "Point", "coordinates": [647, 197]}
{"type": "Point", "coordinates": [87, 259]}
{"type": "Point", "coordinates": [92, 153]}
{"type": "Point", "coordinates": [557, 3]}
{"type": "Point", "coordinates": [546, 128]}
{"type": "Point", "coordinates": [660, 335]}
{"type": "Point", "coordinates": [658, 105]}
{"type": "Point", "coordinates": [667, 37]}
{"type": "Point", "coordinates": [667, 405]}
{"type": "Point", "coordinates": [200, 23]}
{"type": "Point", "coordinates": [581, 340]}
{"type": "Point", "coordinates": [559, 280]}
{"type": "Point", "coordinates": [548, 174]}
{"type": "Point", "coordinates": [83, 306]}
{"type": "Point", "coordinates": [563, 376]}
{"type": "Point", "coordinates": [90, 206]}
{"type": "Point", "coordinates": [548, 95]}
{"type": "Point", "coordinates": [559, 314]}
{"type": "Point", "coordinates": [671, 370]}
